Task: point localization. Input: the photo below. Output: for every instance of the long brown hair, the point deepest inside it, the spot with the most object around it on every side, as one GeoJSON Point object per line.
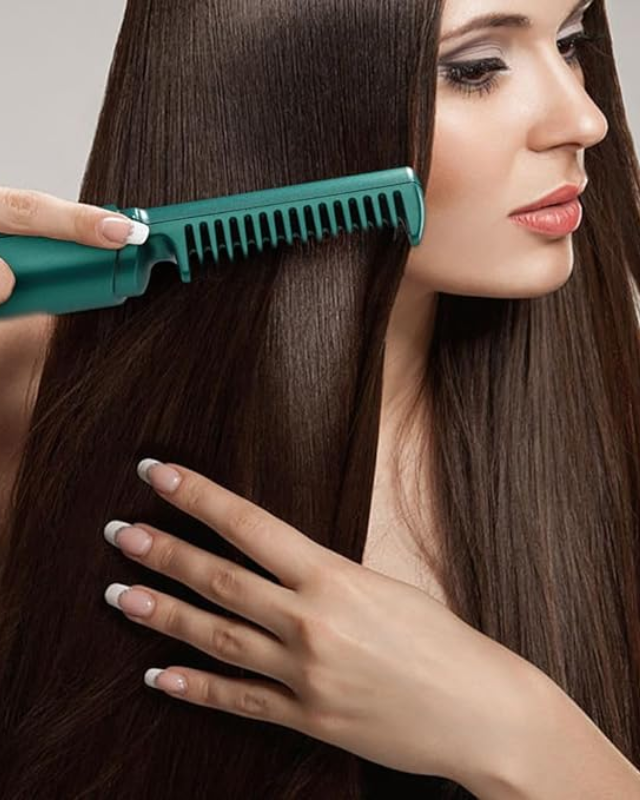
{"type": "Point", "coordinates": [266, 376]}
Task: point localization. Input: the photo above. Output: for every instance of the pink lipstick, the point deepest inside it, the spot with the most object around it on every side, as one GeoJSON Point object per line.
{"type": "Point", "coordinates": [558, 214]}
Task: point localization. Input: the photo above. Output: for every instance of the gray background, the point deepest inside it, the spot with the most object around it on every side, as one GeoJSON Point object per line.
{"type": "Point", "coordinates": [54, 61]}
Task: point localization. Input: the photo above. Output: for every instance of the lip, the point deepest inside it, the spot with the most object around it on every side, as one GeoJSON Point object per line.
{"type": "Point", "coordinates": [555, 220]}
{"type": "Point", "coordinates": [566, 194]}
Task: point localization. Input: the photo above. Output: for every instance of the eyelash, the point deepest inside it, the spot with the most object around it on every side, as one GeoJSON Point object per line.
{"type": "Point", "coordinates": [457, 75]}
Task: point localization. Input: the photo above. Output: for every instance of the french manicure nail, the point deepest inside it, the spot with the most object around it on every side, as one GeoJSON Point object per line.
{"type": "Point", "coordinates": [111, 530]}
{"type": "Point", "coordinates": [167, 681]}
{"type": "Point", "coordinates": [158, 475]}
{"type": "Point", "coordinates": [127, 537]}
{"type": "Point", "coordinates": [124, 231]}
{"type": "Point", "coordinates": [133, 601]}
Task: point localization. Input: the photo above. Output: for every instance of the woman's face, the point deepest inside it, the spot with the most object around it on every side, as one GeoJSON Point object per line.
{"type": "Point", "coordinates": [503, 147]}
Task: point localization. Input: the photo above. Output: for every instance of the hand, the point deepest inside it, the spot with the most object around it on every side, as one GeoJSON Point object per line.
{"type": "Point", "coordinates": [31, 213]}
{"type": "Point", "coordinates": [359, 660]}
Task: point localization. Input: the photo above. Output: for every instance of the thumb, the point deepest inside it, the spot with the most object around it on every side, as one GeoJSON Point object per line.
{"type": "Point", "coordinates": [7, 281]}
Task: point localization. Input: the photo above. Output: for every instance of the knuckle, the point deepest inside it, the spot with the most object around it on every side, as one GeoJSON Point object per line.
{"type": "Point", "coordinates": [249, 521]}
{"type": "Point", "coordinates": [84, 222]}
{"type": "Point", "coordinates": [167, 556]}
{"type": "Point", "coordinates": [173, 621]}
{"type": "Point", "coordinates": [21, 205]}
{"type": "Point", "coordinates": [209, 694]}
{"type": "Point", "coordinates": [312, 685]}
{"type": "Point", "coordinates": [251, 702]}
{"type": "Point", "coordinates": [329, 724]}
{"type": "Point", "coordinates": [224, 583]}
{"type": "Point", "coordinates": [224, 643]}
{"type": "Point", "coordinates": [312, 636]}
{"type": "Point", "coordinates": [192, 492]}
{"type": "Point", "coordinates": [317, 576]}
{"type": "Point", "coordinates": [310, 632]}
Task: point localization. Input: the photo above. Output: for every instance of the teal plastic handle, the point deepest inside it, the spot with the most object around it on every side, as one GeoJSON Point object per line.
{"type": "Point", "coordinates": [60, 277]}
{"type": "Point", "coordinates": [54, 277]}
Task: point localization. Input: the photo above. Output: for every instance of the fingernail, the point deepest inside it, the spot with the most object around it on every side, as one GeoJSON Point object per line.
{"type": "Point", "coordinates": [167, 681]}
{"type": "Point", "coordinates": [132, 540]}
{"type": "Point", "coordinates": [133, 601]}
{"type": "Point", "coordinates": [124, 231]}
{"type": "Point", "coordinates": [158, 475]}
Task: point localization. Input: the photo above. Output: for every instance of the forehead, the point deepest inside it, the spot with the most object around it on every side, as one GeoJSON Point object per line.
{"type": "Point", "coordinates": [511, 13]}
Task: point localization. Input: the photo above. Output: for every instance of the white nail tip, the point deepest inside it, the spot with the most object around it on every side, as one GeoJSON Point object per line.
{"type": "Point", "coordinates": [139, 234]}
{"type": "Point", "coordinates": [113, 591]}
{"type": "Point", "coordinates": [143, 466]}
{"type": "Point", "coordinates": [112, 528]}
{"type": "Point", "coordinates": [150, 677]}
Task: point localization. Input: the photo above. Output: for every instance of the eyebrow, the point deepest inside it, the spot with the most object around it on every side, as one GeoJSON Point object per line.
{"type": "Point", "coordinates": [507, 21]}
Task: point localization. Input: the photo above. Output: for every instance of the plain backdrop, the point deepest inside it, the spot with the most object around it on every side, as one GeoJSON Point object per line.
{"type": "Point", "coordinates": [54, 61]}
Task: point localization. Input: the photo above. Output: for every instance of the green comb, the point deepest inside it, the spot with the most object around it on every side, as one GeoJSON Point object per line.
{"type": "Point", "coordinates": [60, 277]}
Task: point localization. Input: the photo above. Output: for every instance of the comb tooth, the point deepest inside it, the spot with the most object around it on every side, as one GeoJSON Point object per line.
{"type": "Point", "coordinates": [228, 240]}
{"type": "Point", "coordinates": [219, 241]}
{"type": "Point", "coordinates": [377, 212]}
{"type": "Point", "coordinates": [354, 214]}
{"type": "Point", "coordinates": [313, 222]}
{"type": "Point", "coordinates": [190, 241]}
{"type": "Point", "coordinates": [373, 213]}
{"type": "Point", "coordinates": [197, 244]}
{"type": "Point", "coordinates": [329, 217]}
{"type": "Point", "coordinates": [306, 224]}
{"type": "Point", "coordinates": [242, 238]}
{"type": "Point", "coordinates": [343, 219]}
{"type": "Point", "coordinates": [278, 222]}
{"type": "Point", "coordinates": [288, 231]}
{"type": "Point", "coordinates": [214, 243]}
{"type": "Point", "coordinates": [283, 227]}
{"type": "Point", "coordinates": [206, 238]}
{"type": "Point", "coordinates": [236, 237]}
{"type": "Point", "coordinates": [321, 225]}
{"type": "Point", "coordinates": [272, 222]}
{"type": "Point", "coordinates": [362, 211]}
{"type": "Point", "coordinates": [347, 222]}
{"type": "Point", "coordinates": [267, 229]}
{"type": "Point", "coordinates": [298, 231]}
{"type": "Point", "coordinates": [252, 236]}
{"type": "Point", "coordinates": [389, 210]}
{"type": "Point", "coordinates": [183, 248]}
{"type": "Point", "coordinates": [400, 209]}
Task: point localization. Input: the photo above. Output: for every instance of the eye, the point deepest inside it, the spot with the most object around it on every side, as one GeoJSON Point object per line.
{"type": "Point", "coordinates": [577, 42]}
{"type": "Point", "coordinates": [470, 77]}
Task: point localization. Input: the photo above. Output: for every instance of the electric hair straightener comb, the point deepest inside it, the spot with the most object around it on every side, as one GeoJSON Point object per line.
{"type": "Point", "coordinates": [60, 277]}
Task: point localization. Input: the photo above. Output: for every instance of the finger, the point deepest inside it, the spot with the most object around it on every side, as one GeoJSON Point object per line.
{"type": "Point", "coordinates": [228, 640]}
{"type": "Point", "coordinates": [292, 557]}
{"type": "Point", "coordinates": [7, 281]}
{"type": "Point", "coordinates": [251, 698]}
{"type": "Point", "coordinates": [215, 578]}
{"type": "Point", "coordinates": [27, 212]}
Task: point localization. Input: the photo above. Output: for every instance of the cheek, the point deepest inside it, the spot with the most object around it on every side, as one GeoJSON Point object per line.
{"type": "Point", "coordinates": [470, 247]}
{"type": "Point", "coordinates": [470, 162]}
{"type": "Point", "coordinates": [463, 201]}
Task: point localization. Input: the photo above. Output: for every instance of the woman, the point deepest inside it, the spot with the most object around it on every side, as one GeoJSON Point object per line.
{"type": "Point", "coordinates": [500, 446]}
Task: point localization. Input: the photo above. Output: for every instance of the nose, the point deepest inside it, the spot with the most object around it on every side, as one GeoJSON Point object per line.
{"type": "Point", "coordinates": [566, 113]}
